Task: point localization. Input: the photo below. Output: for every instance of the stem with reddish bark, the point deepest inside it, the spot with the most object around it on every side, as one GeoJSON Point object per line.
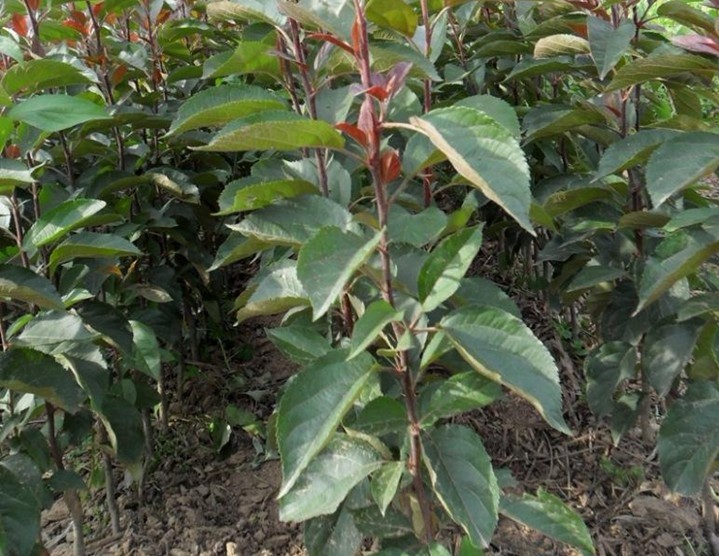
{"type": "Point", "coordinates": [402, 366]}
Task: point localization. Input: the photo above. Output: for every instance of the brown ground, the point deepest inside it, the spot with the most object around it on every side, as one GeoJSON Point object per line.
{"type": "Point", "coordinates": [199, 504]}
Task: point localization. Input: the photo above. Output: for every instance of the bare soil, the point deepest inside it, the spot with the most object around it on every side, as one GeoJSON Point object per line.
{"type": "Point", "coordinates": [198, 503]}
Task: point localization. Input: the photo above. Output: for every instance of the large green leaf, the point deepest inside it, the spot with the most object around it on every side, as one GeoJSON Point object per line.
{"type": "Point", "coordinates": [235, 248]}
{"type": "Point", "coordinates": [313, 406]}
{"type": "Point", "coordinates": [41, 74]}
{"type": "Point", "coordinates": [547, 514]}
{"type": "Point", "coordinates": [604, 369]}
{"type": "Point", "coordinates": [632, 150]}
{"type": "Point", "coordinates": [688, 442]}
{"type": "Point", "coordinates": [369, 326]}
{"type": "Point", "coordinates": [463, 479]}
{"type": "Point", "coordinates": [247, 10]}
{"type": "Point", "coordinates": [549, 120]}
{"type": "Point", "coordinates": [502, 348]}
{"type": "Point", "coordinates": [22, 284]}
{"type": "Point", "coordinates": [92, 244]}
{"type": "Point", "coordinates": [530, 67]}
{"type": "Point", "coordinates": [661, 66]}
{"type": "Point", "coordinates": [484, 153]}
{"type": "Point", "coordinates": [473, 288]}
{"type": "Point", "coordinates": [251, 194]}
{"type": "Point", "coordinates": [123, 423]}
{"type": "Point", "coordinates": [146, 352]}
{"type": "Point", "coordinates": [556, 45]}
{"type": "Point", "coordinates": [110, 322]}
{"type": "Point", "coordinates": [502, 112]}
{"type": "Point", "coordinates": [667, 350]}
{"type": "Point", "coordinates": [459, 393]}
{"type": "Point", "coordinates": [329, 477]}
{"type": "Point", "coordinates": [294, 221]}
{"type": "Point", "coordinates": [19, 516]}
{"type": "Point", "coordinates": [54, 332]}
{"type": "Point", "coordinates": [13, 173]}
{"type": "Point", "coordinates": [680, 162]}
{"type": "Point", "coordinates": [299, 343]}
{"type": "Point", "coordinates": [445, 267]}
{"type": "Point", "coordinates": [222, 104]}
{"type": "Point", "coordinates": [275, 130]}
{"type": "Point", "coordinates": [28, 371]}
{"type": "Point", "coordinates": [383, 415]}
{"type": "Point", "coordinates": [683, 13]}
{"type": "Point", "coordinates": [608, 44]}
{"type": "Point", "coordinates": [249, 57]}
{"type": "Point", "coordinates": [392, 14]}
{"type": "Point", "coordinates": [278, 290]}
{"type": "Point", "coordinates": [416, 229]}
{"type": "Point", "coordinates": [328, 261]}
{"type": "Point", "coordinates": [56, 112]}
{"type": "Point", "coordinates": [676, 257]}
{"type": "Point", "coordinates": [332, 535]}
{"type": "Point", "coordinates": [385, 482]}
{"type": "Point", "coordinates": [60, 220]}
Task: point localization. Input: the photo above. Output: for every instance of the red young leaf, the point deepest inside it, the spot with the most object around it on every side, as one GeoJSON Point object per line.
{"type": "Point", "coordinates": [331, 38]}
{"type": "Point", "coordinates": [698, 43]}
{"type": "Point", "coordinates": [390, 165]}
{"type": "Point", "coordinates": [33, 4]}
{"type": "Point", "coordinates": [19, 24]}
{"type": "Point", "coordinates": [353, 131]}
{"type": "Point", "coordinates": [356, 37]}
{"type": "Point", "coordinates": [378, 92]}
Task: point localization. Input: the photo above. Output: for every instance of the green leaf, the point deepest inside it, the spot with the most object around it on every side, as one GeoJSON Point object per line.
{"type": "Point", "coordinates": [383, 415]}
{"type": "Point", "coordinates": [549, 120]}
{"type": "Point", "coordinates": [146, 352]}
{"type": "Point", "coordinates": [278, 290]}
{"type": "Point", "coordinates": [56, 112]}
{"type": "Point", "coordinates": [28, 371]}
{"type": "Point", "coordinates": [502, 348]}
{"type": "Point", "coordinates": [661, 66]}
{"type": "Point", "coordinates": [502, 112]}
{"type": "Point", "coordinates": [530, 67]}
{"type": "Point", "coordinates": [332, 535]}
{"type": "Point", "coordinates": [555, 45]}
{"type": "Point", "coordinates": [313, 406]}
{"type": "Point", "coordinates": [22, 284]}
{"type": "Point", "coordinates": [378, 315]}
{"type": "Point", "coordinates": [110, 322]}
{"type": "Point", "coordinates": [416, 229]}
{"type": "Point", "coordinates": [13, 173]}
{"type": "Point", "coordinates": [19, 515]}
{"type": "Point", "coordinates": [458, 394]}
{"type": "Point", "coordinates": [299, 343]}
{"type": "Point", "coordinates": [698, 305]}
{"type": "Point", "coordinates": [54, 332]}
{"type": "Point", "coordinates": [328, 261]}
{"type": "Point", "coordinates": [92, 244]}
{"type": "Point", "coordinates": [275, 130]}
{"type": "Point", "coordinates": [688, 442]}
{"type": "Point", "coordinates": [676, 257]}
{"type": "Point", "coordinates": [60, 220]}
{"type": "Point", "coordinates": [680, 162]}
{"type": "Point", "coordinates": [463, 479]}
{"type": "Point", "coordinates": [385, 482]}
{"type": "Point", "coordinates": [11, 49]}
{"type": "Point", "coordinates": [472, 288]}
{"type": "Point", "coordinates": [235, 248]}
{"type": "Point", "coordinates": [123, 423]}
{"type": "Point", "coordinates": [547, 514]}
{"type": "Point", "coordinates": [375, 524]}
{"type": "Point", "coordinates": [246, 10]}
{"type": "Point", "coordinates": [251, 196]}
{"type": "Point", "coordinates": [39, 74]}
{"type": "Point", "coordinates": [294, 221]}
{"type": "Point", "coordinates": [251, 57]}
{"type": "Point", "coordinates": [484, 153]}
{"type": "Point", "coordinates": [176, 183]}
{"type": "Point", "coordinates": [667, 351]}
{"type": "Point", "coordinates": [568, 200]}
{"type": "Point", "coordinates": [691, 217]}
{"type": "Point", "coordinates": [392, 14]}
{"type": "Point", "coordinates": [222, 104]}
{"type": "Point", "coordinates": [632, 150]}
{"type": "Point", "coordinates": [445, 267]}
{"type": "Point", "coordinates": [329, 477]}
{"type": "Point", "coordinates": [683, 13]}
{"type": "Point", "coordinates": [608, 44]}
{"type": "Point", "coordinates": [604, 369]}
{"type": "Point", "coordinates": [591, 276]}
